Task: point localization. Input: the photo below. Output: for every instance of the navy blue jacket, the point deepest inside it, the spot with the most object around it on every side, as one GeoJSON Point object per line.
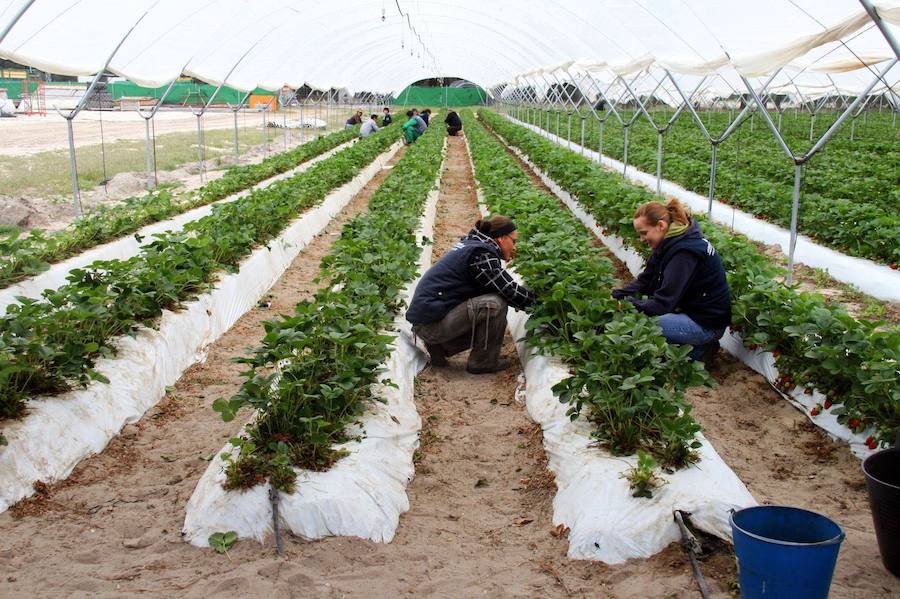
{"type": "Point", "coordinates": [471, 268]}
{"type": "Point", "coordinates": [684, 274]}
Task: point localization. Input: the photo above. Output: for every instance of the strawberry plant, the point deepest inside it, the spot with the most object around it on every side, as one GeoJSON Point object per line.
{"type": "Point", "coordinates": [642, 478]}
{"type": "Point", "coordinates": [853, 362]}
{"type": "Point", "coordinates": [626, 379]}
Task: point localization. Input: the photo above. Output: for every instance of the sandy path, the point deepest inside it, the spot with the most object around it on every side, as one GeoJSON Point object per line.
{"type": "Point", "coordinates": [113, 528]}
{"type": "Point", "coordinates": [53, 214]}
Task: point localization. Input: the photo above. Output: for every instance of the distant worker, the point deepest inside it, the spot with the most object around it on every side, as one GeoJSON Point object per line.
{"type": "Point", "coordinates": [387, 119]}
{"type": "Point", "coordinates": [410, 128]}
{"type": "Point", "coordinates": [684, 280]}
{"type": "Point", "coordinates": [461, 301]}
{"type": "Point", "coordinates": [426, 116]}
{"type": "Point", "coordinates": [369, 127]}
{"type": "Point", "coordinates": [421, 125]}
{"type": "Point", "coordinates": [354, 120]}
{"type": "Point", "coordinates": [454, 123]}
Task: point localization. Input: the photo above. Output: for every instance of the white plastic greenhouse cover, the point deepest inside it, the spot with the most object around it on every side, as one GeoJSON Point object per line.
{"type": "Point", "coordinates": [384, 45]}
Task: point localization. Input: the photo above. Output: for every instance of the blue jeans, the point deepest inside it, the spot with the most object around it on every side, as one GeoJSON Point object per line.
{"type": "Point", "coordinates": [680, 329]}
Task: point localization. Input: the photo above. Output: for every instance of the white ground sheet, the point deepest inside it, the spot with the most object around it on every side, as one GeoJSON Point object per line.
{"type": "Point", "coordinates": [59, 431]}
{"type": "Point", "coordinates": [363, 494]}
{"type": "Point", "coordinates": [761, 362]}
{"type": "Point", "coordinates": [128, 246]}
{"type": "Point", "coordinates": [874, 279]}
{"type": "Point", "coordinates": [593, 499]}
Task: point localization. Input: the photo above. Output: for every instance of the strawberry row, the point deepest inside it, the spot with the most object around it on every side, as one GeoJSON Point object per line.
{"type": "Point", "coordinates": [314, 372]}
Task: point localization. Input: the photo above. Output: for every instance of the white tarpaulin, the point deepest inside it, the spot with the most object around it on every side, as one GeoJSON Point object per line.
{"type": "Point", "coordinates": [59, 431]}
{"type": "Point", "coordinates": [364, 44]}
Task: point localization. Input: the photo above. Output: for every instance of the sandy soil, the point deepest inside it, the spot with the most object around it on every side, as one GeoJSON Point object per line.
{"type": "Point", "coordinates": [25, 135]}
{"type": "Point", "coordinates": [53, 214]}
{"type": "Point", "coordinates": [785, 460]}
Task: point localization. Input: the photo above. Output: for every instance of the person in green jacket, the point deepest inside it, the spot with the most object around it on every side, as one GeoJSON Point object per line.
{"type": "Point", "coordinates": [410, 128]}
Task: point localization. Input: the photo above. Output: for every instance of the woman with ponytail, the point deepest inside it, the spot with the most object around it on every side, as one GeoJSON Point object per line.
{"type": "Point", "coordinates": [461, 301]}
{"type": "Point", "coordinates": [684, 281]}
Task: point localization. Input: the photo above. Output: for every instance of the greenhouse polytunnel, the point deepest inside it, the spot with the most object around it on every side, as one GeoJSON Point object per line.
{"type": "Point", "coordinates": [450, 298]}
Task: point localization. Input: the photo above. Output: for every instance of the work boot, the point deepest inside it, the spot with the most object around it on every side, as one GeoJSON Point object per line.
{"type": "Point", "coordinates": [437, 355]}
{"type": "Point", "coordinates": [501, 365]}
{"type": "Point", "coordinates": [710, 356]}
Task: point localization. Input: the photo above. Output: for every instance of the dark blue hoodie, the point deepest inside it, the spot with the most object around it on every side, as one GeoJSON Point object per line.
{"type": "Point", "coordinates": [684, 274]}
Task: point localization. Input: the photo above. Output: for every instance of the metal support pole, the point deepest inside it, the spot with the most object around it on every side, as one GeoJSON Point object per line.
{"type": "Point", "coordinates": [148, 147]}
{"type": "Point", "coordinates": [812, 125]}
{"type": "Point", "coordinates": [600, 140]}
{"type": "Point", "coordinates": [888, 35]}
{"type": "Point", "coordinates": [795, 209]}
{"type": "Point", "coordinates": [265, 131]}
{"type": "Point", "coordinates": [73, 170]}
{"type": "Point", "coordinates": [659, 140]}
{"type": "Point", "coordinates": [569, 130]}
{"type": "Point", "coordinates": [712, 179]}
{"type": "Point", "coordinates": [200, 144]}
{"type": "Point", "coordinates": [557, 123]}
{"type": "Point", "coordinates": [149, 151]}
{"type": "Point", "coordinates": [625, 154]}
{"type": "Point", "coordinates": [582, 136]}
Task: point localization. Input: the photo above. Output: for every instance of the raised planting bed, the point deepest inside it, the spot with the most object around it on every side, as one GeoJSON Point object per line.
{"type": "Point", "coordinates": [131, 372]}
{"type": "Point", "coordinates": [603, 384]}
{"type": "Point", "coordinates": [335, 425]}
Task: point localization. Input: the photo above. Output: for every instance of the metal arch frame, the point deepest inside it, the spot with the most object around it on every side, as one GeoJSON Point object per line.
{"type": "Point", "coordinates": [151, 159]}
{"type": "Point", "coordinates": [799, 161]}
{"type": "Point", "coordinates": [15, 19]}
{"type": "Point", "coordinates": [876, 18]}
{"type": "Point", "coordinates": [73, 166]}
{"type": "Point", "coordinates": [715, 141]}
{"type": "Point", "coordinates": [661, 130]}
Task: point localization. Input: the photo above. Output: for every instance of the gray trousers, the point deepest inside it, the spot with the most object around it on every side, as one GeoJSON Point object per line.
{"type": "Point", "coordinates": [478, 323]}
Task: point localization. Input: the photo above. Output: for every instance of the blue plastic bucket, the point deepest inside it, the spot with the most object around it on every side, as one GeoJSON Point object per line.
{"type": "Point", "coordinates": [785, 552]}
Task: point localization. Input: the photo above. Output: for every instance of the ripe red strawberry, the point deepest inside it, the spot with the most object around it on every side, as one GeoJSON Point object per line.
{"type": "Point", "coordinates": [870, 442]}
{"type": "Point", "coordinates": [827, 404]}
{"type": "Point", "coordinates": [894, 265]}
{"type": "Point", "coordinates": [753, 347]}
{"type": "Point", "coordinates": [853, 423]}
{"type": "Point", "coordinates": [815, 411]}
{"type": "Point", "coordinates": [776, 353]}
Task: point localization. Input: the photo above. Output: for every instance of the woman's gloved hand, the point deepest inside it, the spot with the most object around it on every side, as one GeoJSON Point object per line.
{"type": "Point", "coordinates": [619, 294]}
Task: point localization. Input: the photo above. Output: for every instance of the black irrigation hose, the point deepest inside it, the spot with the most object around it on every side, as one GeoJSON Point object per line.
{"type": "Point", "coordinates": [692, 547]}
{"type": "Point", "coordinates": [274, 498]}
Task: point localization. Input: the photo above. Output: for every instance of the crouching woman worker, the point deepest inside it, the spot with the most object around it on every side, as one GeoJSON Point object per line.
{"type": "Point", "coordinates": [461, 301]}
{"type": "Point", "coordinates": [684, 281]}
